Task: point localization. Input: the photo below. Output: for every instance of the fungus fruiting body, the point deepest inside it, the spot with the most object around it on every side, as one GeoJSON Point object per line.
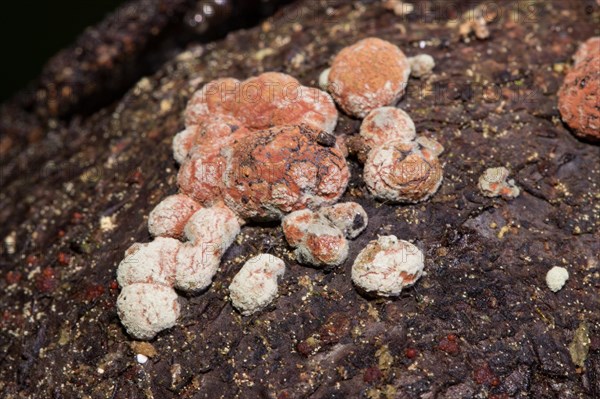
{"type": "Point", "coordinates": [386, 124]}
{"type": "Point", "coordinates": [387, 265]}
{"type": "Point", "coordinates": [369, 74]}
{"type": "Point", "coordinates": [150, 263]}
{"type": "Point", "coordinates": [349, 217]}
{"type": "Point", "coordinates": [586, 49]}
{"type": "Point", "coordinates": [169, 217]}
{"type": "Point", "coordinates": [578, 97]}
{"type": "Point", "coordinates": [270, 99]}
{"type": "Point", "coordinates": [216, 226]}
{"type": "Point", "coordinates": [556, 278]}
{"type": "Point", "coordinates": [320, 238]}
{"type": "Point", "coordinates": [399, 166]}
{"type": "Point", "coordinates": [280, 170]}
{"type": "Point", "coordinates": [146, 309]}
{"type": "Point", "coordinates": [196, 266]}
{"type": "Point", "coordinates": [493, 183]}
{"type": "Point", "coordinates": [421, 65]}
{"type": "Point", "coordinates": [402, 172]}
{"type": "Point", "coordinates": [323, 245]}
{"type": "Point", "coordinates": [255, 285]}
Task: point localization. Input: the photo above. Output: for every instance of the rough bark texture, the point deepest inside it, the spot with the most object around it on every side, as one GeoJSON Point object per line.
{"type": "Point", "coordinates": [76, 193]}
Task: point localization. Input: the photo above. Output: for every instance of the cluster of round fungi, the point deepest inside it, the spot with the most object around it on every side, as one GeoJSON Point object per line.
{"type": "Point", "coordinates": [263, 149]}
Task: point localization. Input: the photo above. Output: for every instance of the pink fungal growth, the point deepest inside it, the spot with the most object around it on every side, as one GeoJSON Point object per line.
{"type": "Point", "coordinates": [587, 48]}
{"type": "Point", "coordinates": [212, 134]}
{"type": "Point", "coordinates": [371, 73]}
{"type": "Point", "coordinates": [403, 172]}
{"type": "Point", "coordinates": [349, 217]}
{"type": "Point", "coordinates": [196, 266]}
{"type": "Point", "coordinates": [323, 245]}
{"type": "Point", "coordinates": [270, 99]}
{"type": "Point", "coordinates": [216, 226]}
{"type": "Point", "coordinates": [387, 265]}
{"type": "Point", "coordinates": [578, 98]}
{"type": "Point", "coordinates": [169, 217]}
{"type": "Point", "coordinates": [295, 225]}
{"type": "Point", "coordinates": [386, 124]}
{"type": "Point", "coordinates": [151, 263]}
{"type": "Point", "coordinates": [320, 237]}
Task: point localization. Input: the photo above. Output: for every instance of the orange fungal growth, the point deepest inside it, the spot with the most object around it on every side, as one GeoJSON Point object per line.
{"type": "Point", "coordinates": [270, 99]}
{"type": "Point", "coordinates": [579, 98]}
{"type": "Point", "coordinates": [369, 74]}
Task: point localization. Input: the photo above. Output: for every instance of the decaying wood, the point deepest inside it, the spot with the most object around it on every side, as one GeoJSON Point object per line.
{"type": "Point", "coordinates": [76, 192]}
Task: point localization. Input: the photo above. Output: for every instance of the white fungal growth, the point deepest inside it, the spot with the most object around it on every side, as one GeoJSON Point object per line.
{"type": "Point", "coordinates": [324, 79]}
{"type": "Point", "coordinates": [152, 263]}
{"type": "Point", "coordinates": [432, 145]}
{"type": "Point", "coordinates": [421, 65]}
{"type": "Point", "coordinates": [183, 142]}
{"type": "Point", "coordinates": [403, 172]}
{"type": "Point", "coordinates": [493, 183]}
{"type": "Point", "coordinates": [196, 266]}
{"type": "Point", "coordinates": [349, 217]}
{"type": "Point", "coordinates": [169, 217]}
{"type": "Point", "coordinates": [216, 226]}
{"type": "Point", "coordinates": [387, 265]}
{"type": "Point", "coordinates": [556, 278]}
{"type": "Point", "coordinates": [255, 285]}
{"type": "Point", "coordinates": [146, 309]}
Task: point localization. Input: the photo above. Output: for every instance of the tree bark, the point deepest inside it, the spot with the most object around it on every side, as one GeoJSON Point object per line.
{"type": "Point", "coordinates": [86, 155]}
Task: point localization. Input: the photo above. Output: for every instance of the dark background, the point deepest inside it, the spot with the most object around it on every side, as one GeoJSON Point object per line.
{"type": "Point", "coordinates": [32, 31]}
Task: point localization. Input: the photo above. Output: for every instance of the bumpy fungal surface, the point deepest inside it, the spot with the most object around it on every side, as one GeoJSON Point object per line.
{"type": "Point", "coordinates": [152, 263]}
{"type": "Point", "coordinates": [421, 65]}
{"type": "Point", "coordinates": [432, 145]}
{"type": "Point", "coordinates": [387, 265]}
{"type": "Point", "coordinates": [270, 99]}
{"type": "Point", "coordinates": [201, 175]}
{"type": "Point", "coordinates": [386, 124]}
{"type": "Point", "coordinates": [295, 225]}
{"type": "Point", "coordinates": [493, 183]}
{"type": "Point", "coordinates": [320, 237]}
{"type": "Point", "coordinates": [283, 169]}
{"type": "Point", "coordinates": [169, 217]}
{"type": "Point", "coordinates": [323, 245]}
{"type": "Point", "coordinates": [556, 278]}
{"type": "Point", "coordinates": [146, 309]}
{"type": "Point", "coordinates": [369, 74]}
{"type": "Point", "coordinates": [402, 172]}
{"type": "Point", "coordinates": [586, 49]}
{"type": "Point", "coordinates": [216, 226]}
{"type": "Point", "coordinates": [579, 98]}
{"type": "Point", "coordinates": [255, 285]}
{"type": "Point", "coordinates": [211, 134]}
{"type": "Point", "coordinates": [349, 217]}
{"type": "Point", "coordinates": [324, 79]}
{"type": "Point", "coordinates": [196, 266]}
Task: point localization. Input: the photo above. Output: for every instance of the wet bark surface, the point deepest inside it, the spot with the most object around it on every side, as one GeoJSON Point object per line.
{"type": "Point", "coordinates": [76, 192]}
